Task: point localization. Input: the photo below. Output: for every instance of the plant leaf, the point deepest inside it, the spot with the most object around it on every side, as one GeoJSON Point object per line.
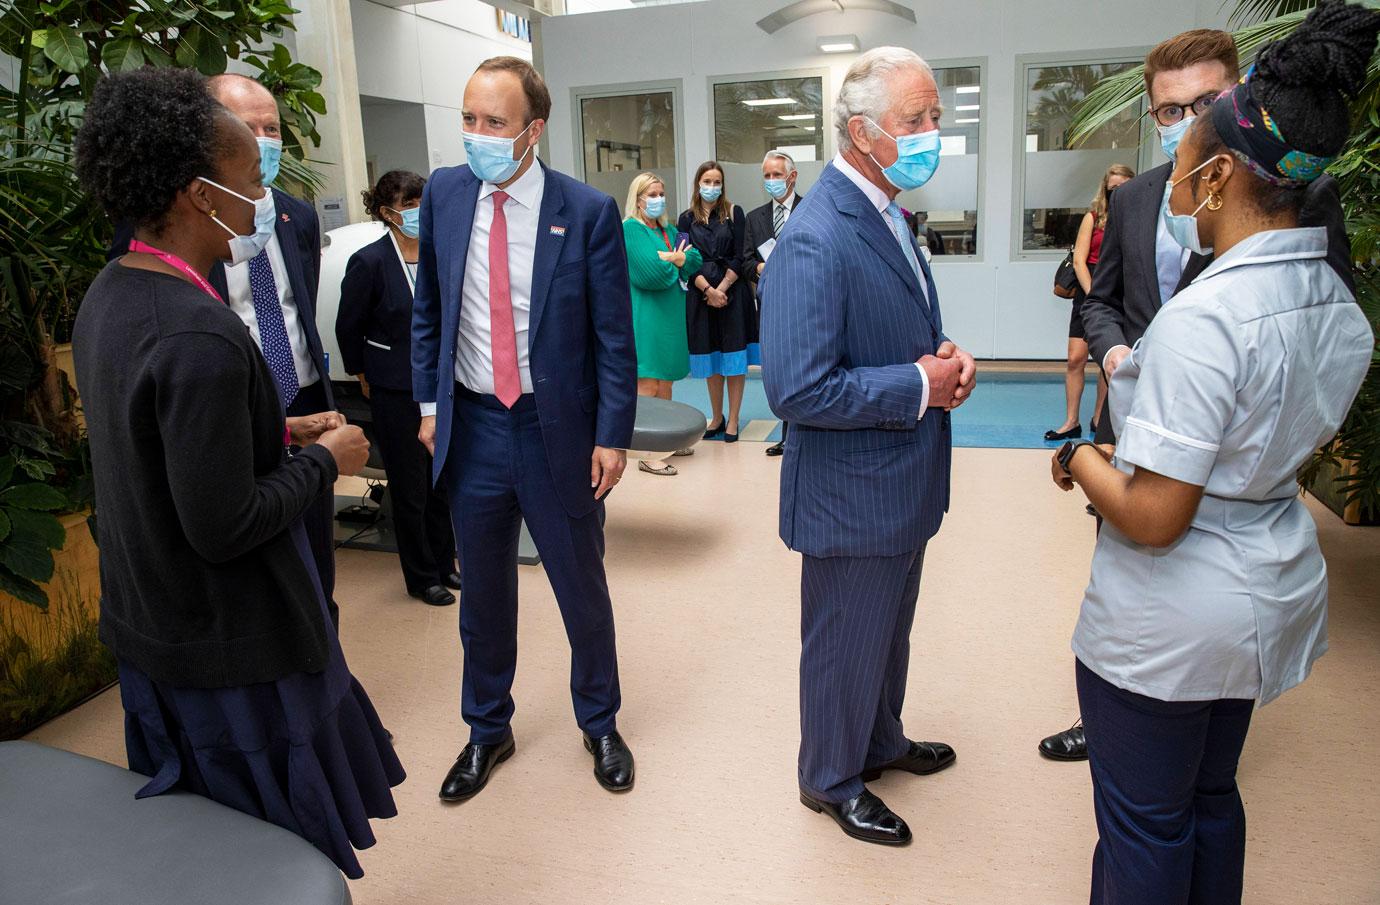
{"type": "Point", "coordinates": [23, 589]}
{"type": "Point", "coordinates": [6, 470]}
{"type": "Point", "coordinates": [26, 558]}
{"type": "Point", "coordinates": [45, 528]}
{"type": "Point", "coordinates": [66, 48]}
{"type": "Point", "coordinates": [123, 54]}
{"type": "Point", "coordinates": [33, 497]}
{"type": "Point", "coordinates": [4, 525]}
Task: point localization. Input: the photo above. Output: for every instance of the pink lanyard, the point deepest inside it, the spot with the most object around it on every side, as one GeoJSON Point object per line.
{"type": "Point", "coordinates": [173, 260]}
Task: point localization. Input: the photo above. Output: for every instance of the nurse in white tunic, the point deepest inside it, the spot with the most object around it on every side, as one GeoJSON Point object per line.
{"type": "Point", "coordinates": [1209, 591]}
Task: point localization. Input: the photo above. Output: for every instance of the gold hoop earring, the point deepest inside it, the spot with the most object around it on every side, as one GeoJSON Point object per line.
{"type": "Point", "coordinates": [1214, 201]}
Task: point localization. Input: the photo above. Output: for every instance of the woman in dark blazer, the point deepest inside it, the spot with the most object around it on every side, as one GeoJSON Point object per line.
{"type": "Point", "coordinates": [374, 330]}
{"type": "Point", "coordinates": [231, 677]}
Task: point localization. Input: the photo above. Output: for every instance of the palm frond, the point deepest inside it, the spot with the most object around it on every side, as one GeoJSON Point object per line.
{"type": "Point", "coordinates": [1250, 12]}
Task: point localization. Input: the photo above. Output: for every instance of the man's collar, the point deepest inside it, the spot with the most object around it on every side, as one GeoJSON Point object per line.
{"type": "Point", "coordinates": [525, 190]}
{"type": "Point", "coordinates": [874, 194]}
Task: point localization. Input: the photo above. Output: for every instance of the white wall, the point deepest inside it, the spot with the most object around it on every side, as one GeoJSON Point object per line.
{"type": "Point", "coordinates": [395, 136]}
{"type": "Point", "coordinates": [999, 306]}
{"type": "Point", "coordinates": [423, 54]}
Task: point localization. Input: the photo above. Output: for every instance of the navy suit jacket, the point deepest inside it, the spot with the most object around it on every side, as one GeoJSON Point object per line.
{"type": "Point", "coordinates": [843, 323]}
{"type": "Point", "coordinates": [580, 337]}
{"type": "Point", "coordinates": [299, 237]}
{"type": "Point", "coordinates": [374, 324]}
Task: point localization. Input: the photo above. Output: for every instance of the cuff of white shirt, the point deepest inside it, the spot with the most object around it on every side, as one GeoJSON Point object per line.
{"type": "Point", "coordinates": [924, 392]}
{"type": "Point", "coordinates": [1109, 355]}
{"type": "Point", "coordinates": [428, 409]}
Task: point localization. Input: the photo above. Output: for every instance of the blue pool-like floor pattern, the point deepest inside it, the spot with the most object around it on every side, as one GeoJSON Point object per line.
{"type": "Point", "coordinates": [1009, 410]}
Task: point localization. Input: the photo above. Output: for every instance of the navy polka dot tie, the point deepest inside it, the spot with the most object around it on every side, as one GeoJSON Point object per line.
{"type": "Point", "coordinates": [273, 338]}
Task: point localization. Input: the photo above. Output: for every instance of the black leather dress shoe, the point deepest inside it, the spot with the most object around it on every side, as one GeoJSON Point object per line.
{"type": "Point", "coordinates": [435, 595]}
{"type": "Point", "coordinates": [922, 758]}
{"type": "Point", "coordinates": [452, 581]}
{"type": "Point", "coordinates": [613, 762]}
{"type": "Point", "coordinates": [1071, 744]}
{"type": "Point", "coordinates": [865, 817]}
{"type": "Point", "coordinates": [777, 449]}
{"type": "Point", "coordinates": [472, 769]}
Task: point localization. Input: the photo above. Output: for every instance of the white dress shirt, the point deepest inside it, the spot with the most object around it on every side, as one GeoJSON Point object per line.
{"type": "Point", "coordinates": [242, 303]}
{"type": "Point", "coordinates": [787, 204]}
{"type": "Point", "coordinates": [880, 200]}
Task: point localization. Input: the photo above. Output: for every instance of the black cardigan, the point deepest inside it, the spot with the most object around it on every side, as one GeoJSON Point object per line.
{"type": "Point", "coordinates": [201, 584]}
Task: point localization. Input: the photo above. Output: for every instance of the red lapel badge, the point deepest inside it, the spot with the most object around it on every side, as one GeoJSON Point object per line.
{"type": "Point", "coordinates": [286, 218]}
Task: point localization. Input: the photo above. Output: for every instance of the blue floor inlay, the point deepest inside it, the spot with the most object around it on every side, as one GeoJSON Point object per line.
{"type": "Point", "coordinates": [1007, 411]}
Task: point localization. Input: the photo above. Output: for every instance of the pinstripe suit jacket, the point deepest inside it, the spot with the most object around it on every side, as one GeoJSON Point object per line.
{"type": "Point", "coordinates": [843, 322]}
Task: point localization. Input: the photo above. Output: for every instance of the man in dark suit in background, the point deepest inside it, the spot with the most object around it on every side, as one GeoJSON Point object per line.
{"type": "Point", "coordinates": [855, 357]}
{"type": "Point", "coordinates": [275, 295]}
{"type": "Point", "coordinates": [1141, 267]}
{"type": "Point", "coordinates": [764, 225]}
{"type": "Point", "coordinates": [523, 363]}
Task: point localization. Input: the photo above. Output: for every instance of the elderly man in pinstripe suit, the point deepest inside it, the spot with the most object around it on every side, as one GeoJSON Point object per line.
{"type": "Point", "coordinates": [855, 358]}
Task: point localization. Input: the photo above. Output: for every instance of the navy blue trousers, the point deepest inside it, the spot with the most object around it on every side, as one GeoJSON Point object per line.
{"type": "Point", "coordinates": [1170, 824]}
{"type": "Point", "coordinates": [855, 618]}
{"type": "Point", "coordinates": [498, 475]}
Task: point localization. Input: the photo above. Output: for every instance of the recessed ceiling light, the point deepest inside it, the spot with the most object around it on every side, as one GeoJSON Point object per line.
{"type": "Point", "coordinates": [963, 121]}
{"type": "Point", "coordinates": [837, 44]}
{"type": "Point", "coordinates": [967, 89]}
{"type": "Point", "coordinates": [797, 116]}
{"type": "Point", "coordinates": [968, 107]}
{"type": "Point", "coordinates": [770, 102]}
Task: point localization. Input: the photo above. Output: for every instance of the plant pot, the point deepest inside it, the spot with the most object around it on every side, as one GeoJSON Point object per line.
{"type": "Point", "coordinates": [52, 660]}
{"type": "Point", "coordinates": [1325, 489]}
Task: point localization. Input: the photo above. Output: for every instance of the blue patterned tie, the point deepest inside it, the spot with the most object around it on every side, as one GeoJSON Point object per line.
{"type": "Point", "coordinates": [898, 229]}
{"type": "Point", "coordinates": [273, 338]}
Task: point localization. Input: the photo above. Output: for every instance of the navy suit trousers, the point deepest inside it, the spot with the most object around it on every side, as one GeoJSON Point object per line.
{"type": "Point", "coordinates": [1171, 827]}
{"type": "Point", "coordinates": [498, 475]}
{"type": "Point", "coordinates": [855, 620]}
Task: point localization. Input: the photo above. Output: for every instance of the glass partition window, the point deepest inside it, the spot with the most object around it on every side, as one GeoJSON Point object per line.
{"type": "Point", "coordinates": [626, 135]}
{"type": "Point", "coordinates": [752, 118]}
{"type": "Point", "coordinates": [950, 199]}
{"type": "Point", "coordinates": [1059, 182]}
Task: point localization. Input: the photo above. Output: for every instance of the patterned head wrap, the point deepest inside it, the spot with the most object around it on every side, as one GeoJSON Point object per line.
{"type": "Point", "coordinates": [1248, 130]}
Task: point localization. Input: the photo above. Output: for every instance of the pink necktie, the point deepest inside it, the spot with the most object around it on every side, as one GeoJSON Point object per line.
{"type": "Point", "coordinates": [502, 336]}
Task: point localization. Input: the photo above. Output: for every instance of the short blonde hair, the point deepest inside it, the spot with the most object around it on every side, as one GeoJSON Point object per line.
{"type": "Point", "coordinates": [640, 184]}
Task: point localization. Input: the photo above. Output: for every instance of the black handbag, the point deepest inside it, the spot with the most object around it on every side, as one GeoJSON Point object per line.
{"type": "Point", "coordinates": [1066, 278]}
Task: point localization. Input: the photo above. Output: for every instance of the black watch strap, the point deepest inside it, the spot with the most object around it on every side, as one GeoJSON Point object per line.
{"type": "Point", "coordinates": [1068, 451]}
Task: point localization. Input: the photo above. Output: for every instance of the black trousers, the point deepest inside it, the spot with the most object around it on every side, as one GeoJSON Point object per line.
{"type": "Point", "coordinates": [319, 518]}
{"type": "Point", "coordinates": [421, 513]}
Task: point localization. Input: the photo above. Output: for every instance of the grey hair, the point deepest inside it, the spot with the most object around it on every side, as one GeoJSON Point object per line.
{"type": "Point", "coordinates": [779, 155]}
{"type": "Point", "coordinates": [865, 90]}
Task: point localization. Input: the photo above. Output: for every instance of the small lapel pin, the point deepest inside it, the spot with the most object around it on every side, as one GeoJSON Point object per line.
{"type": "Point", "coordinates": [286, 218]}
{"type": "Point", "coordinates": [558, 232]}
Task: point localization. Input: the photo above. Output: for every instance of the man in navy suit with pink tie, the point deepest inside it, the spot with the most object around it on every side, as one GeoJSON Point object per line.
{"type": "Point", "coordinates": [523, 363]}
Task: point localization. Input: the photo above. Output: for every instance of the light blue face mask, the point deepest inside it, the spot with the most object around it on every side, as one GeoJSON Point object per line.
{"type": "Point", "coordinates": [655, 207]}
{"type": "Point", "coordinates": [245, 248]}
{"type": "Point", "coordinates": [411, 225]}
{"type": "Point", "coordinates": [917, 158]}
{"type": "Point", "coordinates": [1170, 136]}
{"type": "Point", "coordinates": [775, 187]}
{"type": "Point", "coordinates": [1183, 228]}
{"type": "Point", "coordinates": [270, 156]}
{"type": "Point", "coordinates": [711, 193]}
{"type": "Point", "coordinates": [491, 157]}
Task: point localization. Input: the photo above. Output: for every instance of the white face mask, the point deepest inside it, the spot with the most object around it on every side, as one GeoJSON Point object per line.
{"type": "Point", "coordinates": [246, 248]}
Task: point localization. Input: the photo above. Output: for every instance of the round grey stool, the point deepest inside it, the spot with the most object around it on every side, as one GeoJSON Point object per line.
{"type": "Point", "coordinates": [663, 426]}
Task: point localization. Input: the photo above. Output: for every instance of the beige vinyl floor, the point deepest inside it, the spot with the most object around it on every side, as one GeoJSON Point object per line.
{"type": "Point", "coordinates": [707, 607]}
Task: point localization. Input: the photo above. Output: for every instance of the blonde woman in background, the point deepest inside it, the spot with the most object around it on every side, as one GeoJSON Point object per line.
{"type": "Point", "coordinates": [658, 265]}
{"type": "Point", "coordinates": [1086, 250]}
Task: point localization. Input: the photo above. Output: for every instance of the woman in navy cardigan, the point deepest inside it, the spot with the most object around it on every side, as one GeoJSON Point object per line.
{"type": "Point", "coordinates": [374, 328]}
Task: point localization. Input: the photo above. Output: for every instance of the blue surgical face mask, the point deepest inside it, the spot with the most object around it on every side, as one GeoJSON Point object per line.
{"type": "Point", "coordinates": [917, 157]}
{"type": "Point", "coordinates": [491, 157]}
{"type": "Point", "coordinates": [245, 248]}
{"type": "Point", "coordinates": [711, 193]}
{"type": "Point", "coordinates": [270, 156]}
{"type": "Point", "coordinates": [1170, 136]}
{"type": "Point", "coordinates": [655, 207]}
{"type": "Point", "coordinates": [411, 225]}
{"type": "Point", "coordinates": [775, 187]}
{"type": "Point", "coordinates": [1183, 228]}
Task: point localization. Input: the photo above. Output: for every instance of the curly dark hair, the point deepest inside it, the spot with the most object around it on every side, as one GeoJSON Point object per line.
{"type": "Point", "coordinates": [147, 134]}
{"type": "Point", "coordinates": [393, 188]}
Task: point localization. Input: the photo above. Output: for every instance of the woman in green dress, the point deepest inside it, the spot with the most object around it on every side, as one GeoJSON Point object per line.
{"type": "Point", "coordinates": [658, 265]}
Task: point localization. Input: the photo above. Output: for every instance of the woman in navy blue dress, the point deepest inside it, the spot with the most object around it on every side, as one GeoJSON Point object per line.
{"type": "Point", "coordinates": [232, 679]}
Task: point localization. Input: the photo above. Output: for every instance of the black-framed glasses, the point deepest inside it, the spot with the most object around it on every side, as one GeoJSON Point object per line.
{"type": "Point", "coordinates": [1169, 114]}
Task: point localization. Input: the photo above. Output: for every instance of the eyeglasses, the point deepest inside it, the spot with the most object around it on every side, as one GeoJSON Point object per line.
{"type": "Point", "coordinates": [1169, 114]}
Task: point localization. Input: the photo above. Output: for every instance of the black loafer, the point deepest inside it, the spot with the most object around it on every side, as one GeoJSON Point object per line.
{"type": "Point", "coordinates": [1075, 431]}
{"type": "Point", "coordinates": [1071, 744]}
{"type": "Point", "coordinates": [865, 817]}
{"type": "Point", "coordinates": [922, 759]}
{"type": "Point", "coordinates": [714, 433]}
{"type": "Point", "coordinates": [472, 769]}
{"type": "Point", "coordinates": [434, 595]}
{"type": "Point", "coordinates": [777, 449]}
{"type": "Point", "coordinates": [613, 761]}
{"type": "Point", "coordinates": [452, 581]}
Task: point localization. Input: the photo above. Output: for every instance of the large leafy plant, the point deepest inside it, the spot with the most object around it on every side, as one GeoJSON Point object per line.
{"type": "Point", "coordinates": [1355, 451]}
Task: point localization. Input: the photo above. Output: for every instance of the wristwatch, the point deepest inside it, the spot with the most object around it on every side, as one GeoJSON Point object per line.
{"type": "Point", "coordinates": [1067, 452]}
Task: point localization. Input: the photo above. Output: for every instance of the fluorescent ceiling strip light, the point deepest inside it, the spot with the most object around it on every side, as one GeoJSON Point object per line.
{"type": "Point", "coordinates": [770, 102]}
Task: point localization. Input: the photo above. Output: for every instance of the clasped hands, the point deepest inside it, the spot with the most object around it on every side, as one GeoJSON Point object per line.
{"type": "Point", "coordinates": [952, 374]}
{"type": "Point", "coordinates": [345, 442]}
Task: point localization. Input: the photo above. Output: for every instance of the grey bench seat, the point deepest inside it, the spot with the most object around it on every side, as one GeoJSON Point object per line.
{"type": "Point", "coordinates": [71, 833]}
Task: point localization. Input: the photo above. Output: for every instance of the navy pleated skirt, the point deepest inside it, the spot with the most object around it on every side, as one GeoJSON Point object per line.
{"type": "Point", "coordinates": [306, 752]}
